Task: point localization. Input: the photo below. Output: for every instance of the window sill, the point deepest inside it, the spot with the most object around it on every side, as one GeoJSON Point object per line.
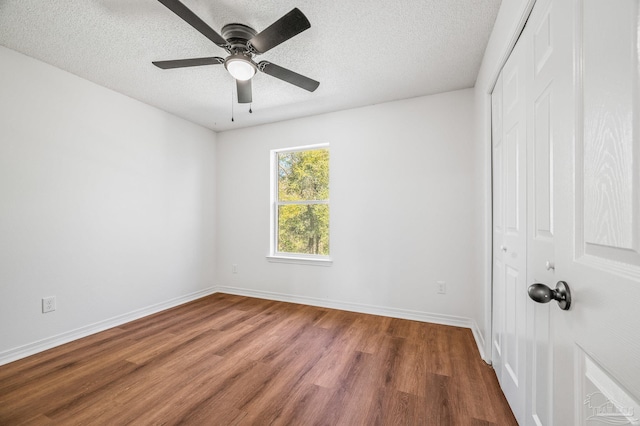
{"type": "Point", "coordinates": [300, 260]}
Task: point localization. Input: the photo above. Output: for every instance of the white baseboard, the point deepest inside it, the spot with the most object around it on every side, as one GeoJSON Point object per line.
{"type": "Point", "coordinates": [479, 338]}
{"type": "Point", "coordinates": [60, 339]}
{"type": "Point", "coordinates": [452, 320]}
{"type": "Point", "coordinates": [66, 337]}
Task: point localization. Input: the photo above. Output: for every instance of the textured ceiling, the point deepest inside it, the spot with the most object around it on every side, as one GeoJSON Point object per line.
{"type": "Point", "coordinates": [363, 52]}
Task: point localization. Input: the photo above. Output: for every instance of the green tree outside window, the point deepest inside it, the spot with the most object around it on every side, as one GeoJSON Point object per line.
{"type": "Point", "coordinates": [303, 202]}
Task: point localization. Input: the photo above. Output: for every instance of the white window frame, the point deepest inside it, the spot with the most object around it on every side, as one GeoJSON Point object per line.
{"type": "Point", "coordinates": [274, 254]}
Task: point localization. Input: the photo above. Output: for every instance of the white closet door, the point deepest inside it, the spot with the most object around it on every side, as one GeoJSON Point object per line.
{"type": "Point", "coordinates": [540, 39]}
{"type": "Point", "coordinates": [510, 233]}
{"type": "Point", "coordinates": [498, 301]}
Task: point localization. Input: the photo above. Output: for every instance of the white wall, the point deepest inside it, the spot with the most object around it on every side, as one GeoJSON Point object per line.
{"type": "Point", "coordinates": [105, 202]}
{"type": "Point", "coordinates": [402, 207]}
{"type": "Point", "coordinates": [509, 23]}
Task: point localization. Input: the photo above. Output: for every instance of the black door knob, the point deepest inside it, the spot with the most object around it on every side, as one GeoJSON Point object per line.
{"type": "Point", "coordinates": [543, 294]}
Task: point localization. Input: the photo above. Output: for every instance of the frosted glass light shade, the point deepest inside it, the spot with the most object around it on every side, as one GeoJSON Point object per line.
{"type": "Point", "coordinates": [240, 69]}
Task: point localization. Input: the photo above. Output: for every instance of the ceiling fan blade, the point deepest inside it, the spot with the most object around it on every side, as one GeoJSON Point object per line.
{"type": "Point", "coordinates": [288, 76]}
{"type": "Point", "coordinates": [244, 91]}
{"type": "Point", "coordinates": [192, 19]}
{"type": "Point", "coordinates": [182, 63]}
{"type": "Point", "coordinates": [283, 29]}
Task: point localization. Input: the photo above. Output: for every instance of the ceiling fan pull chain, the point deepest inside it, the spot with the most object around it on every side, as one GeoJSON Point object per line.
{"type": "Point", "coordinates": [250, 111]}
{"type": "Point", "coordinates": [232, 120]}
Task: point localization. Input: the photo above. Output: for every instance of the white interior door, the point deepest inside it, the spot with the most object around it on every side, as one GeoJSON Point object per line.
{"type": "Point", "coordinates": [596, 133]}
{"type": "Point", "coordinates": [509, 234]}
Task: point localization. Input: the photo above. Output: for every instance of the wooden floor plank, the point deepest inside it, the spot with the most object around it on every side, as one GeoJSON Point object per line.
{"type": "Point", "coordinates": [227, 360]}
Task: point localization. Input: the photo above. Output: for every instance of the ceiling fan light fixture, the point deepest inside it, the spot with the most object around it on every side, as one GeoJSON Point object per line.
{"type": "Point", "coordinates": [240, 67]}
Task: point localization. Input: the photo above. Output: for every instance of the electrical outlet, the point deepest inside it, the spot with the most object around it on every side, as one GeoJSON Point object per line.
{"type": "Point", "coordinates": [234, 268]}
{"type": "Point", "coordinates": [442, 287]}
{"type": "Point", "coordinates": [48, 304]}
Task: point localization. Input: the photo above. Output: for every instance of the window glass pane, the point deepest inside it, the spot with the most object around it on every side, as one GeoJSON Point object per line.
{"type": "Point", "coordinates": [303, 229]}
{"type": "Point", "coordinates": [303, 175]}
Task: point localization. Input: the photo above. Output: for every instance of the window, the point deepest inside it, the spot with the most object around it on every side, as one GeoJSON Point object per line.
{"type": "Point", "coordinates": [300, 204]}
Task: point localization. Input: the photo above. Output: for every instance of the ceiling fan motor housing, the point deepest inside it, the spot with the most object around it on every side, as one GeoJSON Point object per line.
{"type": "Point", "coordinates": [237, 35]}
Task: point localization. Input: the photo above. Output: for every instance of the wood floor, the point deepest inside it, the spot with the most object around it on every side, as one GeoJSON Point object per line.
{"type": "Point", "coordinates": [227, 359]}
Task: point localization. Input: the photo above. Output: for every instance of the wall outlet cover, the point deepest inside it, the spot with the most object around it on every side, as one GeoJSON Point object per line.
{"type": "Point", "coordinates": [48, 304]}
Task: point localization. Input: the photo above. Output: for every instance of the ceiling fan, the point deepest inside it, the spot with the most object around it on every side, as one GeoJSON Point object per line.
{"type": "Point", "coordinates": [242, 43]}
